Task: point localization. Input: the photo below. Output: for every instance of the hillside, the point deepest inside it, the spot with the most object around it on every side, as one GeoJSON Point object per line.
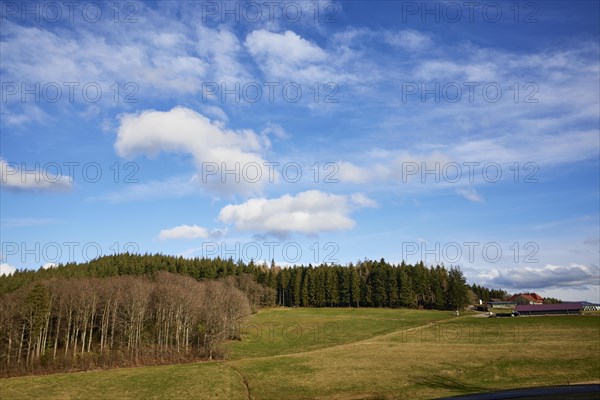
{"type": "Point", "coordinates": [359, 353]}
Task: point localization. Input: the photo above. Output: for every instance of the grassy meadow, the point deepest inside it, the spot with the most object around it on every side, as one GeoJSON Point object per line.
{"type": "Point", "coordinates": [355, 354]}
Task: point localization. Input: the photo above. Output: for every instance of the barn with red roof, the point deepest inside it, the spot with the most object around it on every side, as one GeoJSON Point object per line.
{"type": "Point", "coordinates": [531, 298]}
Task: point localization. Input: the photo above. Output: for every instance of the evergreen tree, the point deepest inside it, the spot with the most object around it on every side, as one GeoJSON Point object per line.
{"type": "Point", "coordinates": [319, 283]}
{"type": "Point", "coordinates": [282, 287]}
{"type": "Point", "coordinates": [392, 288]}
{"type": "Point", "coordinates": [344, 286]}
{"type": "Point", "coordinates": [379, 285]}
{"type": "Point", "coordinates": [296, 287]}
{"type": "Point", "coordinates": [419, 283]}
{"type": "Point", "coordinates": [311, 286]}
{"type": "Point", "coordinates": [365, 292]}
{"type": "Point", "coordinates": [458, 296]}
{"type": "Point", "coordinates": [304, 289]}
{"type": "Point", "coordinates": [354, 287]}
{"type": "Point", "coordinates": [331, 286]}
{"type": "Point", "coordinates": [407, 295]}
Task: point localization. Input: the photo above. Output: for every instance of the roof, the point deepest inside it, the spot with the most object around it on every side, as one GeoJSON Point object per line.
{"type": "Point", "coordinates": [549, 307]}
{"type": "Point", "coordinates": [528, 296]}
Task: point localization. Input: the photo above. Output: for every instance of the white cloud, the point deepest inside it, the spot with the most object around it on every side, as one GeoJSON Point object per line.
{"type": "Point", "coordinates": [307, 212]}
{"type": "Point", "coordinates": [548, 276]}
{"type": "Point", "coordinates": [22, 113]}
{"type": "Point", "coordinates": [14, 177]}
{"type": "Point", "coordinates": [470, 194]}
{"type": "Point", "coordinates": [449, 70]}
{"type": "Point", "coordinates": [7, 269]}
{"type": "Point", "coordinates": [291, 57]}
{"type": "Point", "coordinates": [184, 232]}
{"type": "Point", "coordinates": [214, 148]}
{"type": "Point", "coordinates": [287, 47]}
{"type": "Point", "coordinates": [408, 39]}
{"type": "Point", "coordinates": [49, 265]}
{"type": "Point", "coordinates": [216, 112]}
{"type": "Point", "coordinates": [544, 149]}
{"type": "Point", "coordinates": [532, 152]}
{"type": "Point", "coordinates": [155, 59]}
{"type": "Point", "coordinates": [351, 173]}
{"type": "Point", "coordinates": [399, 166]}
{"type": "Point", "coordinates": [222, 48]}
{"type": "Point", "coordinates": [158, 57]}
{"type": "Point", "coordinates": [360, 200]}
{"type": "Point", "coordinates": [276, 130]}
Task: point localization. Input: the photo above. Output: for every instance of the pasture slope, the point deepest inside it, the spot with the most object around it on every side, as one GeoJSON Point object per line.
{"type": "Point", "coordinates": [354, 354]}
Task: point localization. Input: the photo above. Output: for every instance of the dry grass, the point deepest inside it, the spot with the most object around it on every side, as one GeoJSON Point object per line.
{"type": "Point", "coordinates": [451, 357]}
{"type": "Point", "coordinates": [372, 354]}
{"type": "Point", "coordinates": [184, 381]}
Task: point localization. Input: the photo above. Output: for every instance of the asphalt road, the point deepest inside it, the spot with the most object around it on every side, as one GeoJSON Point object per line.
{"type": "Point", "coordinates": [572, 392]}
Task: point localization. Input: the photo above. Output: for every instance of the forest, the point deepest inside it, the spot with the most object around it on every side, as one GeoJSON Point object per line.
{"type": "Point", "coordinates": [131, 309]}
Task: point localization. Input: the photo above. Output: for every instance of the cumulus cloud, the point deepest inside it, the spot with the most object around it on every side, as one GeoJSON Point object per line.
{"type": "Point", "coordinates": [7, 269]}
{"type": "Point", "coordinates": [184, 232]}
{"type": "Point", "coordinates": [21, 177]}
{"type": "Point", "coordinates": [49, 265]}
{"type": "Point", "coordinates": [307, 212]}
{"type": "Point", "coordinates": [214, 148]}
{"type": "Point", "coordinates": [548, 276]}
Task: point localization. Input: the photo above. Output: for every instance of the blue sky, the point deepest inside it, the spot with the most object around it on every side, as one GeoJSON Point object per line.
{"type": "Point", "coordinates": [307, 132]}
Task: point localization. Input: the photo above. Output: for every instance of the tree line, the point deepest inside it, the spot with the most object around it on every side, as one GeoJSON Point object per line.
{"type": "Point", "coordinates": [372, 284]}
{"type": "Point", "coordinates": [79, 323]}
{"type": "Point", "coordinates": [364, 284]}
{"type": "Point", "coordinates": [486, 294]}
{"type": "Point", "coordinates": [129, 309]}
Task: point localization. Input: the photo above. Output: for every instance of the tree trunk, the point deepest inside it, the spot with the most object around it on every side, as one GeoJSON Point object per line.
{"type": "Point", "coordinates": [91, 331]}
{"type": "Point", "coordinates": [21, 344]}
{"type": "Point", "coordinates": [68, 338]}
{"type": "Point", "coordinates": [57, 334]}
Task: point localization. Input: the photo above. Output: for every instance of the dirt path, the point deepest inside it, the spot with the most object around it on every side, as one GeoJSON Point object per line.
{"type": "Point", "coordinates": [243, 378]}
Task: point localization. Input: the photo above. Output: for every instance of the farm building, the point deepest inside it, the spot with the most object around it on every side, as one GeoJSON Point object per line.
{"type": "Point", "coordinates": [501, 304]}
{"type": "Point", "coordinates": [531, 298]}
{"type": "Point", "coordinates": [550, 309]}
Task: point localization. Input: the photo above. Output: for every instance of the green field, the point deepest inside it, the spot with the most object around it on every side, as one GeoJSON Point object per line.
{"type": "Point", "coordinates": [355, 354]}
